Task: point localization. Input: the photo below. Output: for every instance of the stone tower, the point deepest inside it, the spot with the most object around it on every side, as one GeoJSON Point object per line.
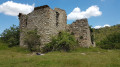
{"type": "Point", "coordinates": [47, 21]}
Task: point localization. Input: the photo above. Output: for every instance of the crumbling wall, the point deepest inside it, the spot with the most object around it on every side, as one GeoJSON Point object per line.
{"type": "Point", "coordinates": [61, 19]}
{"type": "Point", "coordinates": [23, 27]}
{"type": "Point", "coordinates": [39, 19]}
{"type": "Point", "coordinates": [80, 29]}
{"type": "Point", "coordinates": [48, 22]}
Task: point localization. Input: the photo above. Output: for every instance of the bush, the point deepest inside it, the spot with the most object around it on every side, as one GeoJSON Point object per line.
{"type": "Point", "coordinates": [112, 41]}
{"type": "Point", "coordinates": [64, 41]}
{"type": "Point", "coordinates": [11, 36]}
{"type": "Point", "coordinates": [32, 40]}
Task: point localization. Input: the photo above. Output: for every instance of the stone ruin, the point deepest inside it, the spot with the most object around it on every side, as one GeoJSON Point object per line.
{"type": "Point", "coordinates": [50, 22]}
{"type": "Point", "coordinates": [80, 29]}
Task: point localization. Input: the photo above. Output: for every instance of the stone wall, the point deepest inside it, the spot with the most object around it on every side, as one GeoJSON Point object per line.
{"type": "Point", "coordinates": [48, 22]}
{"type": "Point", "coordinates": [23, 27]}
{"type": "Point", "coordinates": [61, 19]}
{"type": "Point", "coordinates": [80, 29]}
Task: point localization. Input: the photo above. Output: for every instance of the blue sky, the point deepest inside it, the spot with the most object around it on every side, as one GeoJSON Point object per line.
{"type": "Point", "coordinates": [110, 11]}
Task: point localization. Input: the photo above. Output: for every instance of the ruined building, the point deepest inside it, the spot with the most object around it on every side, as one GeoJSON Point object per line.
{"type": "Point", "coordinates": [80, 29]}
{"type": "Point", "coordinates": [50, 22]}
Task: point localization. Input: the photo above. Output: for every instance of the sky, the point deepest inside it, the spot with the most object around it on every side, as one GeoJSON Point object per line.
{"type": "Point", "coordinates": [100, 13]}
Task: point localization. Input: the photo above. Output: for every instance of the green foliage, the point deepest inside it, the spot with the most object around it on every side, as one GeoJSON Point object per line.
{"type": "Point", "coordinates": [11, 36]}
{"type": "Point", "coordinates": [100, 34]}
{"type": "Point", "coordinates": [108, 37]}
{"type": "Point", "coordinates": [32, 40]}
{"type": "Point", "coordinates": [111, 41]}
{"type": "Point", "coordinates": [4, 47]}
{"type": "Point", "coordinates": [64, 41]}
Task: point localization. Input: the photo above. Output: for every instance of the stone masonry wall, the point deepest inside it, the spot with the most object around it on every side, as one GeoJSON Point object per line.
{"type": "Point", "coordinates": [80, 29]}
{"type": "Point", "coordinates": [49, 22]}
{"type": "Point", "coordinates": [61, 19]}
{"type": "Point", "coordinates": [23, 27]}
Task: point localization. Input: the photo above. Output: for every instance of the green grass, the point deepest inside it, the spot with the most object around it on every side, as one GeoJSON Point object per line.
{"type": "Point", "coordinates": [81, 57]}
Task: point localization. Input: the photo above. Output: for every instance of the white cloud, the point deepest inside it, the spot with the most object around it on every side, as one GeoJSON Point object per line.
{"type": "Point", "coordinates": [106, 25]}
{"type": "Point", "coordinates": [78, 14]}
{"type": "Point", "coordinates": [97, 27]}
{"type": "Point", "coordinates": [13, 9]}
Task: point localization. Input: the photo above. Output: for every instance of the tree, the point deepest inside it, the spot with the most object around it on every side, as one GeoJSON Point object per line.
{"type": "Point", "coordinates": [111, 41]}
{"type": "Point", "coordinates": [11, 36]}
{"type": "Point", "coordinates": [108, 37]}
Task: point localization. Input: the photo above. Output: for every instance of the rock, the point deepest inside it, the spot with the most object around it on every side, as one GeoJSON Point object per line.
{"type": "Point", "coordinates": [83, 53]}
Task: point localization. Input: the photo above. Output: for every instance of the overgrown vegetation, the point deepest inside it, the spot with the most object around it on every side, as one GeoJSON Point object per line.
{"type": "Point", "coordinates": [111, 41]}
{"type": "Point", "coordinates": [64, 41]}
{"type": "Point", "coordinates": [11, 36]}
{"type": "Point", "coordinates": [5, 47]}
{"type": "Point", "coordinates": [32, 39]}
{"type": "Point", "coordinates": [82, 57]}
{"type": "Point", "coordinates": [108, 37]}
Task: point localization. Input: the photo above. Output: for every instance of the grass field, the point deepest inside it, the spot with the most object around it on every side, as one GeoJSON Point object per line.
{"type": "Point", "coordinates": [82, 57]}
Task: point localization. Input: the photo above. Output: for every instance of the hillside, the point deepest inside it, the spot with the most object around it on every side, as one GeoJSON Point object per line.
{"type": "Point", "coordinates": [103, 33]}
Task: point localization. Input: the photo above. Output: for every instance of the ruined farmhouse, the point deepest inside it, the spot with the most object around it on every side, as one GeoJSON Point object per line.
{"type": "Point", "coordinates": [50, 22]}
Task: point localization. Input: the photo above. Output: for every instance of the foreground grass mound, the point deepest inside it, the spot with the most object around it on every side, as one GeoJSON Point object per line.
{"type": "Point", "coordinates": [5, 47]}
{"type": "Point", "coordinates": [81, 57]}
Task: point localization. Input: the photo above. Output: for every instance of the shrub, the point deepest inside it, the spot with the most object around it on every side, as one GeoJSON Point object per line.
{"type": "Point", "coordinates": [11, 36]}
{"type": "Point", "coordinates": [64, 41]}
{"type": "Point", "coordinates": [111, 41]}
{"type": "Point", "coordinates": [32, 40]}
